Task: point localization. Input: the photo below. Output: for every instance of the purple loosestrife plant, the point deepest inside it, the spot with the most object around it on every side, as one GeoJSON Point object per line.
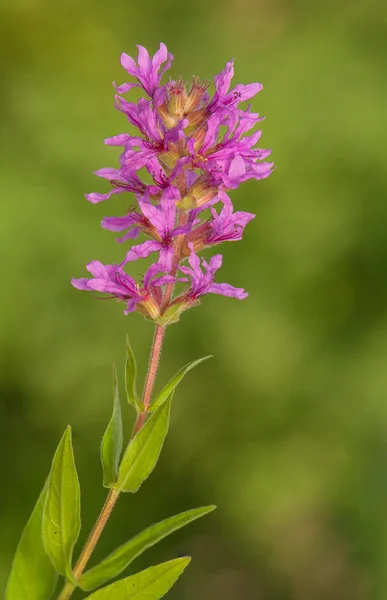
{"type": "Point", "coordinates": [191, 150]}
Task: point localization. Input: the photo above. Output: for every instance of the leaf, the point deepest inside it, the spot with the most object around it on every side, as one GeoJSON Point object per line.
{"type": "Point", "coordinates": [111, 446]}
{"type": "Point", "coordinates": [131, 376]}
{"type": "Point", "coordinates": [151, 584]}
{"type": "Point", "coordinates": [32, 575]}
{"type": "Point", "coordinates": [118, 560]}
{"type": "Point", "coordinates": [61, 514]}
{"type": "Point", "coordinates": [171, 385]}
{"type": "Point", "coordinates": [142, 453]}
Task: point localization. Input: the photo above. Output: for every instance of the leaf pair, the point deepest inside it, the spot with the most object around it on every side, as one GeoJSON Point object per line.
{"type": "Point", "coordinates": [142, 454]}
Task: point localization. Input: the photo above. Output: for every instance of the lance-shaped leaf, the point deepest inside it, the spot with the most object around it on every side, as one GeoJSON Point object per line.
{"type": "Point", "coordinates": [118, 560]}
{"type": "Point", "coordinates": [151, 584]}
{"type": "Point", "coordinates": [131, 375]}
{"type": "Point", "coordinates": [61, 514]}
{"type": "Point", "coordinates": [32, 575]}
{"type": "Point", "coordinates": [111, 446]}
{"type": "Point", "coordinates": [171, 385]}
{"type": "Point", "coordinates": [142, 453]}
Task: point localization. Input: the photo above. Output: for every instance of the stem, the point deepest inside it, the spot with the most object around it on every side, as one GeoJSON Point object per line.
{"type": "Point", "coordinates": [113, 495]}
{"type": "Point", "coordinates": [154, 361]}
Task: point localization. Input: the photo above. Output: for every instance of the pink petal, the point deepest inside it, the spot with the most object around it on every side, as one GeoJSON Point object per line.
{"type": "Point", "coordinates": [142, 250]}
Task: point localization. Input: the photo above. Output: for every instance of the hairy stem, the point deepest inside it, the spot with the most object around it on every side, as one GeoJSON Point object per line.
{"type": "Point", "coordinates": [151, 376]}
{"type": "Point", "coordinates": [113, 495]}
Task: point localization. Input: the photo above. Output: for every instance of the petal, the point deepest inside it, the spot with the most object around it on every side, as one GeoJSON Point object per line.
{"type": "Point", "coordinates": [108, 173]}
{"type": "Point", "coordinates": [142, 250]}
{"type": "Point", "coordinates": [119, 223]}
{"type": "Point", "coordinates": [159, 96]}
{"type": "Point", "coordinates": [153, 271]}
{"type": "Point", "coordinates": [227, 204]}
{"type": "Point", "coordinates": [129, 64]}
{"type": "Point", "coordinates": [118, 140]}
{"type": "Point", "coordinates": [215, 263]}
{"type": "Point", "coordinates": [166, 256]}
{"type": "Point", "coordinates": [187, 271]}
{"type": "Point", "coordinates": [106, 286]}
{"type": "Point", "coordinates": [98, 269]}
{"type": "Point", "coordinates": [194, 261]}
{"type": "Point", "coordinates": [81, 284]}
{"type": "Point", "coordinates": [212, 132]}
{"type": "Point", "coordinates": [144, 62]}
{"type": "Point", "coordinates": [245, 92]}
{"type": "Point", "coordinates": [153, 214]}
{"type": "Point", "coordinates": [237, 167]}
{"type": "Point", "coordinates": [167, 64]}
{"type": "Point", "coordinates": [168, 208]}
{"type": "Point", "coordinates": [223, 79]}
{"type": "Point", "coordinates": [124, 87]}
{"type": "Point", "coordinates": [131, 306]}
{"type": "Point", "coordinates": [160, 56]}
{"type": "Point", "coordinates": [130, 235]}
{"type": "Point", "coordinates": [225, 289]}
{"type": "Point", "coordinates": [94, 197]}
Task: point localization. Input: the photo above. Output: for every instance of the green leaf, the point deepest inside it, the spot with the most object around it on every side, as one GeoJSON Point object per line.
{"type": "Point", "coordinates": [171, 385]}
{"type": "Point", "coordinates": [142, 453]}
{"type": "Point", "coordinates": [151, 584]}
{"type": "Point", "coordinates": [118, 560]}
{"type": "Point", "coordinates": [111, 446]}
{"type": "Point", "coordinates": [61, 514]}
{"type": "Point", "coordinates": [131, 376]}
{"type": "Point", "coordinates": [32, 575]}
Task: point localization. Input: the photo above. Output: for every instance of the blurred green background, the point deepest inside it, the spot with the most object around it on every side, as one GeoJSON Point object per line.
{"type": "Point", "coordinates": [285, 429]}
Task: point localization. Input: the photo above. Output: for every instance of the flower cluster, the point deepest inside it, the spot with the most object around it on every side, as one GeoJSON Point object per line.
{"type": "Point", "coordinates": [190, 151]}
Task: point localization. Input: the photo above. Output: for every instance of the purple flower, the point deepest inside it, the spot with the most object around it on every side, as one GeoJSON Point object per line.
{"type": "Point", "coordinates": [225, 99]}
{"type": "Point", "coordinates": [123, 180]}
{"type": "Point", "coordinates": [112, 280]}
{"type": "Point", "coordinates": [134, 222]}
{"type": "Point", "coordinates": [148, 71]}
{"type": "Point", "coordinates": [203, 283]}
{"type": "Point", "coordinates": [233, 159]}
{"type": "Point", "coordinates": [228, 226]}
{"type": "Point", "coordinates": [158, 141]}
{"type": "Point", "coordinates": [163, 220]}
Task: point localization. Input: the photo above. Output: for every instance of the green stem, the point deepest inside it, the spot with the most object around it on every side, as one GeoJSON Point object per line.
{"type": "Point", "coordinates": [113, 495]}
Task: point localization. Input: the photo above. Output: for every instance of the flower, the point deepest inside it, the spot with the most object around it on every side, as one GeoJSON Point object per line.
{"type": "Point", "coordinates": [227, 226]}
{"type": "Point", "coordinates": [112, 280]}
{"type": "Point", "coordinates": [123, 180]}
{"type": "Point", "coordinates": [147, 71]}
{"type": "Point", "coordinates": [163, 221]}
{"type": "Point", "coordinates": [225, 99]}
{"type": "Point", "coordinates": [203, 283]}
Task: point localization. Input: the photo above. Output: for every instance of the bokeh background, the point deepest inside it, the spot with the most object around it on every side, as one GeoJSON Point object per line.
{"type": "Point", "coordinates": [285, 429]}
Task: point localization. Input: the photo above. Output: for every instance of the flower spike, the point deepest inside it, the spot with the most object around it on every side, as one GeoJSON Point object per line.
{"type": "Point", "coordinates": [196, 147]}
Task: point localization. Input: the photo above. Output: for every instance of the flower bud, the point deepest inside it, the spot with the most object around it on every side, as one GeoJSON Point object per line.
{"type": "Point", "coordinates": [177, 96]}
{"type": "Point", "coordinates": [195, 95]}
{"type": "Point", "coordinates": [199, 193]}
